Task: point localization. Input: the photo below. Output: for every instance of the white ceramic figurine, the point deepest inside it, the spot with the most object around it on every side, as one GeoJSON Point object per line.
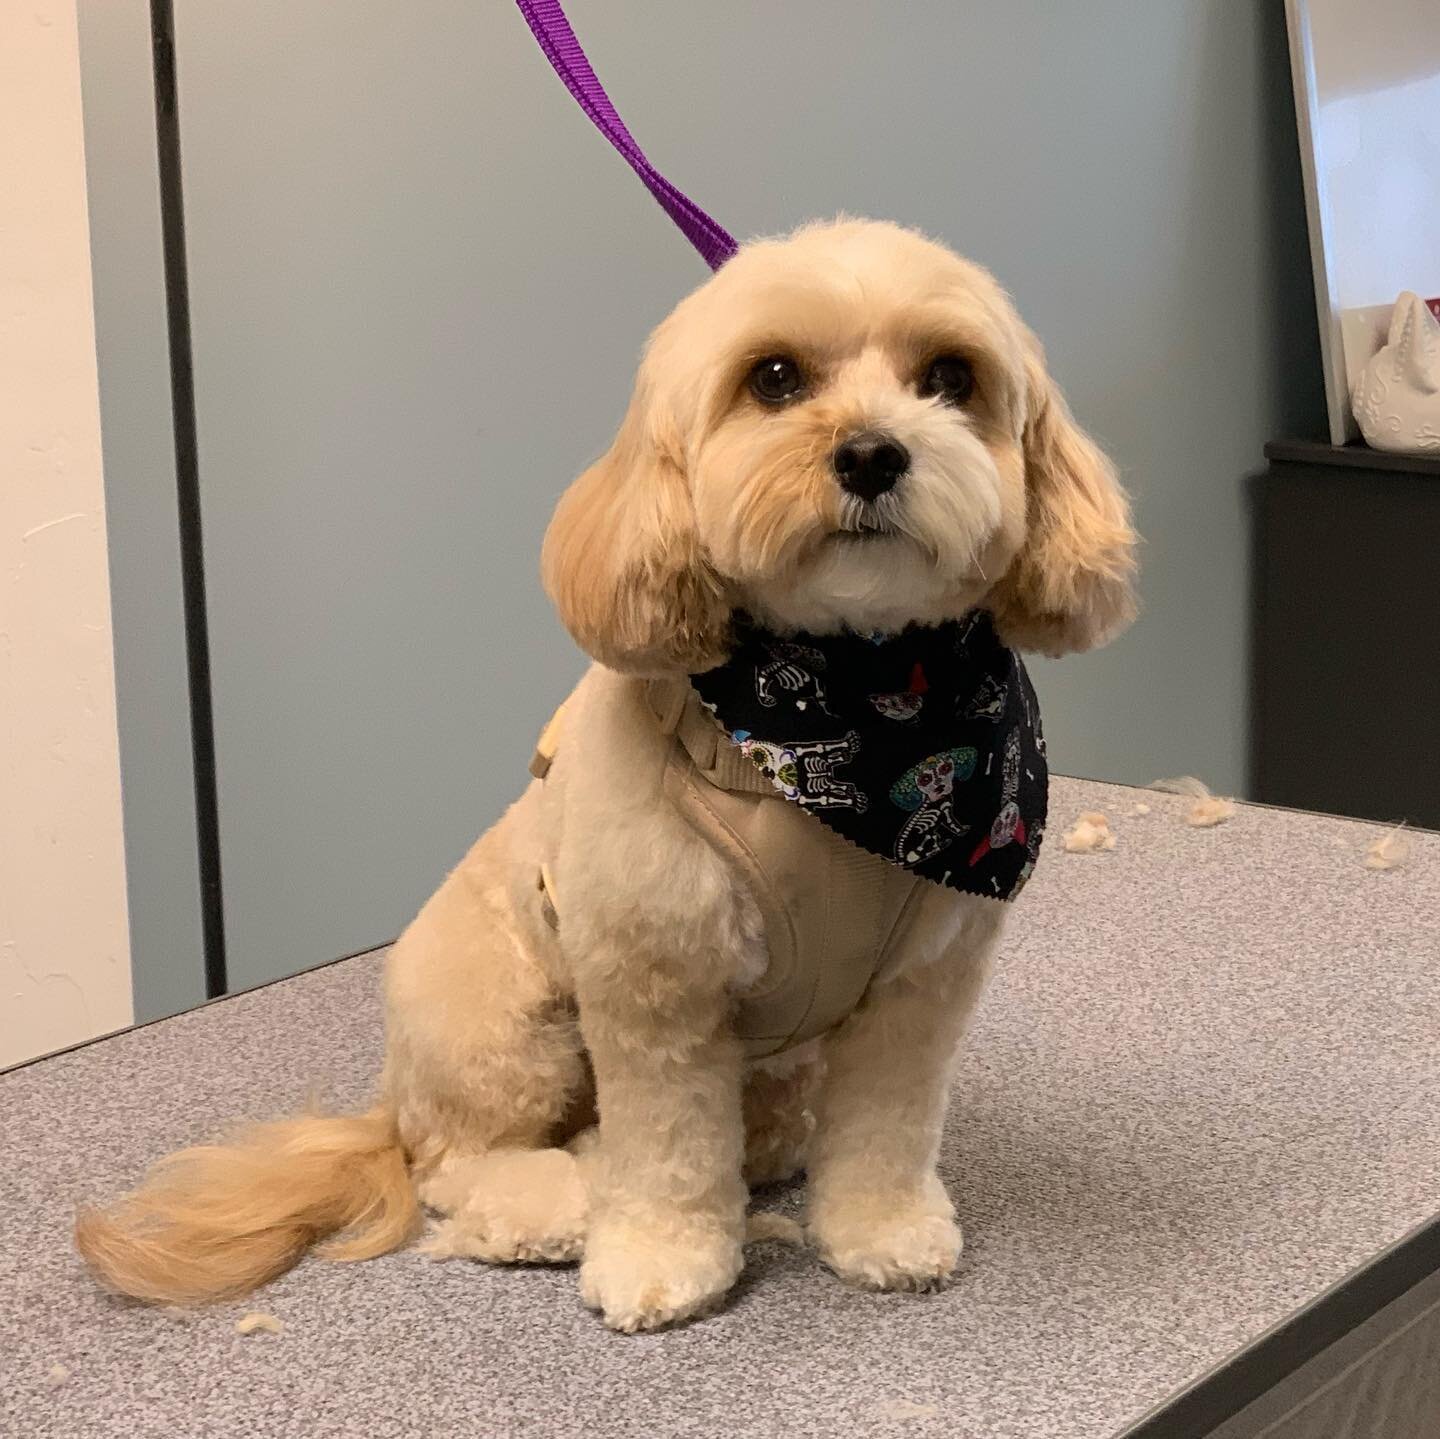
{"type": "Point", "coordinates": [1397, 400]}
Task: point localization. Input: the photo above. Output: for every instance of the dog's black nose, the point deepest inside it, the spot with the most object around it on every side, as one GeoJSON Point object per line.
{"type": "Point", "coordinates": [869, 464]}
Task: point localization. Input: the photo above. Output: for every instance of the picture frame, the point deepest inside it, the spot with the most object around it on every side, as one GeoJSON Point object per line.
{"type": "Point", "coordinates": [1367, 103]}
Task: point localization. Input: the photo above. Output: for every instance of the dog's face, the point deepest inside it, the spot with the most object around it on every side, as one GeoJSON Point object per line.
{"type": "Point", "coordinates": [848, 427]}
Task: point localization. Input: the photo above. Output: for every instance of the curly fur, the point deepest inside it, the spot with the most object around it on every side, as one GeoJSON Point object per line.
{"type": "Point", "coordinates": [503, 1038]}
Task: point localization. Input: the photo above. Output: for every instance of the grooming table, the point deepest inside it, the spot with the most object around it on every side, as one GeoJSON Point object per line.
{"type": "Point", "coordinates": [1195, 1144]}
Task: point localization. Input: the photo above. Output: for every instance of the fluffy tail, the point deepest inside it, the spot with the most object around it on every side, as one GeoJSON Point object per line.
{"type": "Point", "coordinates": [219, 1220]}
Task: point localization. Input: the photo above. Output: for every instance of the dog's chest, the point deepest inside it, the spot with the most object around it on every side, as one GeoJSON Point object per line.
{"type": "Point", "coordinates": [833, 914]}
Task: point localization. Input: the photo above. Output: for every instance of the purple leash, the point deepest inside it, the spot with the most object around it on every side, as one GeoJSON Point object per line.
{"type": "Point", "coordinates": [547, 20]}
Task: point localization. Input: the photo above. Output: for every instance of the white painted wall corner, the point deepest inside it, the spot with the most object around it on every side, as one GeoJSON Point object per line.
{"type": "Point", "coordinates": [64, 941]}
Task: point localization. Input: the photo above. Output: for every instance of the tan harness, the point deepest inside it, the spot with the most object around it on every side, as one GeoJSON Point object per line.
{"type": "Point", "coordinates": [833, 913]}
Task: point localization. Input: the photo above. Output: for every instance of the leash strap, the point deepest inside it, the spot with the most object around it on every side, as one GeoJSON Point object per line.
{"type": "Point", "coordinates": [550, 27]}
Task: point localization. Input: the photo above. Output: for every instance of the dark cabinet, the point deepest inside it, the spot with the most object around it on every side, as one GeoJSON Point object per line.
{"type": "Point", "coordinates": [1345, 668]}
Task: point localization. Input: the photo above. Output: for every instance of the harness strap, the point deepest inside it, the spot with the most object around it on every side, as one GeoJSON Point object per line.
{"type": "Point", "coordinates": [681, 712]}
{"type": "Point", "coordinates": [548, 743]}
{"type": "Point", "coordinates": [830, 910]}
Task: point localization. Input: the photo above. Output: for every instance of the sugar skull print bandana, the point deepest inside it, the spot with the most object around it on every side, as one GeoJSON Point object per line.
{"type": "Point", "coordinates": [924, 747]}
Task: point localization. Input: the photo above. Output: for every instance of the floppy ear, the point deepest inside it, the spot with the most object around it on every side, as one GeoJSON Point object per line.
{"type": "Point", "coordinates": [622, 561]}
{"type": "Point", "coordinates": [1071, 586]}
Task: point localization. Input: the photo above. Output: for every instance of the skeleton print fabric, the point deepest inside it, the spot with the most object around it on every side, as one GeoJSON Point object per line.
{"type": "Point", "coordinates": [924, 747]}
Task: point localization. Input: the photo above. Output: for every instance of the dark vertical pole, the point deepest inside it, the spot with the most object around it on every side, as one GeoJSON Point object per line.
{"type": "Point", "coordinates": [187, 479]}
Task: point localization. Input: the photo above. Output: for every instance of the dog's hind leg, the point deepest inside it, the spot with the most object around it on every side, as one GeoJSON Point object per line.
{"type": "Point", "coordinates": [513, 1206]}
{"type": "Point", "coordinates": [483, 1066]}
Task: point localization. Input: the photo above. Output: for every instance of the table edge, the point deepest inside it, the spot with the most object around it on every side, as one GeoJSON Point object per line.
{"type": "Point", "coordinates": [1219, 1394]}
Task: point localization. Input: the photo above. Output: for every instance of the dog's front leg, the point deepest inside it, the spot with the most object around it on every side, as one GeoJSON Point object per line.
{"type": "Point", "coordinates": [878, 1211]}
{"type": "Point", "coordinates": [666, 1193]}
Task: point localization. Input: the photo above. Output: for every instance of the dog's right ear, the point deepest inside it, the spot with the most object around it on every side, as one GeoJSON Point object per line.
{"type": "Point", "coordinates": [622, 561]}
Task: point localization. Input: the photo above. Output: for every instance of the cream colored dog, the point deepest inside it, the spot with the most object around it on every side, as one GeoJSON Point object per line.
{"type": "Point", "coordinates": [717, 495]}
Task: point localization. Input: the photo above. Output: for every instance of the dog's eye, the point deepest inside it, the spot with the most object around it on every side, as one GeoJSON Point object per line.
{"type": "Point", "coordinates": [949, 377]}
{"type": "Point", "coordinates": [775, 379]}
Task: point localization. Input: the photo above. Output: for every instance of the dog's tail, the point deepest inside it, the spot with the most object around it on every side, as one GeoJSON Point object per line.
{"type": "Point", "coordinates": [219, 1220]}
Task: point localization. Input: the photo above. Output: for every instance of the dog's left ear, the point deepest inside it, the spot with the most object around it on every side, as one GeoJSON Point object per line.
{"type": "Point", "coordinates": [622, 560]}
{"type": "Point", "coordinates": [1071, 587]}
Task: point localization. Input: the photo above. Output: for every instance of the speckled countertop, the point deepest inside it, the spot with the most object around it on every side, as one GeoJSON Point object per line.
{"type": "Point", "coordinates": [1203, 1088]}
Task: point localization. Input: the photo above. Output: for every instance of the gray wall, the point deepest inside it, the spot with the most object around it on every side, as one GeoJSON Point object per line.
{"type": "Point", "coordinates": [141, 510]}
{"type": "Point", "coordinates": [420, 282]}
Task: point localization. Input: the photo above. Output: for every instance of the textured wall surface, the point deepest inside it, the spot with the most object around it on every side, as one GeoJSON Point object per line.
{"type": "Point", "coordinates": [64, 950]}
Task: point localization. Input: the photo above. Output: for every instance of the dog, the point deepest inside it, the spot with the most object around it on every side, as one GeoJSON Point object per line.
{"type": "Point", "coordinates": [728, 491]}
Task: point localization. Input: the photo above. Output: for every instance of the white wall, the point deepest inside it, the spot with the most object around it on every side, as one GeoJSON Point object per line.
{"type": "Point", "coordinates": [64, 951]}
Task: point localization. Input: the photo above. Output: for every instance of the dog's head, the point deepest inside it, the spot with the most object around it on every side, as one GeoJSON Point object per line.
{"type": "Point", "coordinates": [847, 427]}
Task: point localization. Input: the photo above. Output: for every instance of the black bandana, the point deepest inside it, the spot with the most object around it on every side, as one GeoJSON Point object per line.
{"type": "Point", "coordinates": [923, 747]}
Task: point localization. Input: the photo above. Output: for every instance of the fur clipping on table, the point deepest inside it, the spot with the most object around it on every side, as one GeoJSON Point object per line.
{"type": "Point", "coordinates": [1208, 809]}
{"type": "Point", "coordinates": [1390, 851]}
{"type": "Point", "coordinates": [1090, 835]}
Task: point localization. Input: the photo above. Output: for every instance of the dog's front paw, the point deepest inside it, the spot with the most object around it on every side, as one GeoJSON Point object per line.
{"type": "Point", "coordinates": [642, 1277]}
{"type": "Point", "coordinates": [888, 1243]}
